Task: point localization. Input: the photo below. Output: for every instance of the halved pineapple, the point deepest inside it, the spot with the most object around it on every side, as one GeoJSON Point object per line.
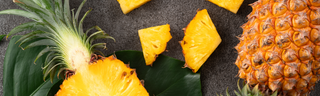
{"type": "Point", "coordinates": [200, 40]}
{"type": "Point", "coordinates": [107, 77]}
{"type": "Point", "coordinates": [231, 5]}
{"type": "Point", "coordinates": [129, 5]}
{"type": "Point", "coordinates": [154, 41]}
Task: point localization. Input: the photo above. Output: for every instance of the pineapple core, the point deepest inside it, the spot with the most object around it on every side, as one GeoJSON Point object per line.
{"type": "Point", "coordinates": [107, 77]}
{"type": "Point", "coordinates": [129, 5]}
{"type": "Point", "coordinates": [200, 40]}
{"type": "Point", "coordinates": [231, 5]}
{"type": "Point", "coordinates": [154, 41]}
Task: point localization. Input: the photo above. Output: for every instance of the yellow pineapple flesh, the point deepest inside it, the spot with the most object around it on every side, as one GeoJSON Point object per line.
{"type": "Point", "coordinates": [280, 46]}
{"type": "Point", "coordinates": [154, 41]}
{"type": "Point", "coordinates": [129, 5]}
{"type": "Point", "coordinates": [231, 5]}
{"type": "Point", "coordinates": [106, 77]}
{"type": "Point", "coordinates": [200, 40]}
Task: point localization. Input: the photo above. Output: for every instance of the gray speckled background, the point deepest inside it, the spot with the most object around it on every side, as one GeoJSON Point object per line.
{"type": "Point", "coordinates": [217, 73]}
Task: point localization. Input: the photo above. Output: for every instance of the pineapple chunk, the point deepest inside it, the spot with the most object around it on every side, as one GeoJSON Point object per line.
{"type": "Point", "coordinates": [200, 40]}
{"type": "Point", "coordinates": [129, 5]}
{"type": "Point", "coordinates": [154, 41]}
{"type": "Point", "coordinates": [231, 5]}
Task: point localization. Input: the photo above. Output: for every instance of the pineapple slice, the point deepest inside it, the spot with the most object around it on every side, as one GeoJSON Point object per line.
{"type": "Point", "coordinates": [129, 5]}
{"type": "Point", "coordinates": [200, 40]}
{"type": "Point", "coordinates": [107, 77]}
{"type": "Point", "coordinates": [154, 41]}
{"type": "Point", "coordinates": [231, 5]}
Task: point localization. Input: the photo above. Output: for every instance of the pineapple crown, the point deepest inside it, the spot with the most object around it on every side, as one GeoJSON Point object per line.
{"type": "Point", "coordinates": [246, 91]}
{"type": "Point", "coordinates": [56, 26]}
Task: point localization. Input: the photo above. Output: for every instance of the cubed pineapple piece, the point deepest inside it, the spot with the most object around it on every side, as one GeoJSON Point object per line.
{"type": "Point", "coordinates": [154, 41]}
{"type": "Point", "coordinates": [231, 5]}
{"type": "Point", "coordinates": [129, 5]}
{"type": "Point", "coordinates": [200, 40]}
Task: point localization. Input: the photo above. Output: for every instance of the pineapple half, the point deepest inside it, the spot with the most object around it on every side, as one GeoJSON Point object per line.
{"type": "Point", "coordinates": [69, 50]}
{"type": "Point", "coordinates": [154, 41]}
{"type": "Point", "coordinates": [200, 40]}
{"type": "Point", "coordinates": [106, 77]}
{"type": "Point", "coordinates": [129, 5]}
{"type": "Point", "coordinates": [231, 5]}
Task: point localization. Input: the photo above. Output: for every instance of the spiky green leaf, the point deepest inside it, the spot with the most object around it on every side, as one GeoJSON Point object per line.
{"type": "Point", "coordinates": [21, 13]}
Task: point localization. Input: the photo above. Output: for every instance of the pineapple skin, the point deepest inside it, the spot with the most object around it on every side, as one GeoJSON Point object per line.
{"type": "Point", "coordinates": [129, 5]}
{"type": "Point", "coordinates": [280, 46]}
{"type": "Point", "coordinates": [106, 77]}
{"type": "Point", "coordinates": [200, 40]}
{"type": "Point", "coordinates": [231, 5]}
{"type": "Point", "coordinates": [154, 41]}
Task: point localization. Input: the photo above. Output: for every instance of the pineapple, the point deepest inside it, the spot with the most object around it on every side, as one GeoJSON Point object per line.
{"type": "Point", "coordinates": [106, 77]}
{"type": "Point", "coordinates": [154, 41]}
{"type": "Point", "coordinates": [69, 49]}
{"type": "Point", "coordinates": [231, 5]}
{"type": "Point", "coordinates": [129, 5]}
{"type": "Point", "coordinates": [200, 40]}
{"type": "Point", "coordinates": [280, 48]}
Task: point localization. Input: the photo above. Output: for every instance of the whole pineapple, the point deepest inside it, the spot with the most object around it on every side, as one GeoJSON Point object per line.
{"type": "Point", "coordinates": [280, 46]}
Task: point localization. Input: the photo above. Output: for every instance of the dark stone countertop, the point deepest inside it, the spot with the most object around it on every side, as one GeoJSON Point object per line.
{"type": "Point", "coordinates": [217, 74]}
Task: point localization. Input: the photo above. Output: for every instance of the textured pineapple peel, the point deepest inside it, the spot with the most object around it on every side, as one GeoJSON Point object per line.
{"type": "Point", "coordinates": [129, 5]}
{"type": "Point", "coordinates": [231, 5]}
{"type": "Point", "coordinates": [154, 41]}
{"type": "Point", "coordinates": [106, 77]}
{"type": "Point", "coordinates": [200, 40]}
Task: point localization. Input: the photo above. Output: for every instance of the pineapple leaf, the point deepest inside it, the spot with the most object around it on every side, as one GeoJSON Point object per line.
{"type": "Point", "coordinates": [78, 11]}
{"type": "Point", "coordinates": [255, 90]}
{"type": "Point", "coordinates": [238, 94]}
{"type": "Point", "coordinates": [52, 74]}
{"type": "Point", "coordinates": [239, 85]}
{"type": "Point", "coordinates": [42, 42]}
{"type": "Point", "coordinates": [47, 4]}
{"type": "Point", "coordinates": [45, 50]}
{"type": "Point", "coordinates": [1, 37]}
{"type": "Point", "coordinates": [275, 93]}
{"type": "Point", "coordinates": [27, 26]}
{"type": "Point", "coordinates": [98, 45]}
{"type": "Point", "coordinates": [21, 13]}
{"type": "Point", "coordinates": [227, 92]}
{"type": "Point", "coordinates": [244, 91]}
{"type": "Point", "coordinates": [81, 21]}
{"type": "Point", "coordinates": [34, 33]}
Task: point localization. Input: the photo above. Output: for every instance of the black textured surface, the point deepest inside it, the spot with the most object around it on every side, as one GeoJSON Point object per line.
{"type": "Point", "coordinates": [218, 73]}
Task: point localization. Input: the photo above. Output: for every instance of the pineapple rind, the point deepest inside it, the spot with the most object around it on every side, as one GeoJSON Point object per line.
{"type": "Point", "coordinates": [154, 41]}
{"type": "Point", "coordinates": [231, 5]}
{"type": "Point", "coordinates": [107, 77]}
{"type": "Point", "coordinates": [200, 40]}
{"type": "Point", "coordinates": [129, 5]}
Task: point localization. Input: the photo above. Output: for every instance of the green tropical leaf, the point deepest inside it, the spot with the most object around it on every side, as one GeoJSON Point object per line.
{"type": "Point", "coordinates": [21, 77]}
{"type": "Point", "coordinates": [166, 77]}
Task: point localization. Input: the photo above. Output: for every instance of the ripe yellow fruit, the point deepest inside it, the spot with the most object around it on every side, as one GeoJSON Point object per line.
{"type": "Point", "coordinates": [154, 41]}
{"type": "Point", "coordinates": [200, 40]}
{"type": "Point", "coordinates": [129, 5]}
{"type": "Point", "coordinates": [231, 5]}
{"type": "Point", "coordinates": [280, 46]}
{"type": "Point", "coordinates": [106, 77]}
